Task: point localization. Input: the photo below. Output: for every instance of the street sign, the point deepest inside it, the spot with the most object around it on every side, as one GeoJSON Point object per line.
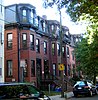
{"type": "Point", "coordinates": [61, 67]}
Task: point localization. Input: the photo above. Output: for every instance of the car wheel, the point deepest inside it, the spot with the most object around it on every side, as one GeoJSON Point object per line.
{"type": "Point", "coordinates": [75, 95]}
{"type": "Point", "coordinates": [90, 93]}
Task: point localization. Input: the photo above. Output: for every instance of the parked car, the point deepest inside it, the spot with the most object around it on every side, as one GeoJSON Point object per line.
{"type": "Point", "coordinates": [97, 86]}
{"type": "Point", "coordinates": [84, 88]}
{"type": "Point", "coordinates": [21, 91]}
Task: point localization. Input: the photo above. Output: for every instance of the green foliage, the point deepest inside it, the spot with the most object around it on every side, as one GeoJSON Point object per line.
{"type": "Point", "coordinates": [76, 8]}
{"type": "Point", "coordinates": [87, 50]}
{"type": "Point", "coordinates": [87, 56]}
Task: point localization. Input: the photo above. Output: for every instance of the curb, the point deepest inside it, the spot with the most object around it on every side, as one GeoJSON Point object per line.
{"type": "Point", "coordinates": [68, 95]}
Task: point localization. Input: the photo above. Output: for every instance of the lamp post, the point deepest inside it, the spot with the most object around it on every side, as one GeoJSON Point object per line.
{"type": "Point", "coordinates": [61, 63]}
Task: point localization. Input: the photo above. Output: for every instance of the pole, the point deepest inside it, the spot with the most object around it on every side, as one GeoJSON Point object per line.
{"type": "Point", "coordinates": [18, 39]}
{"type": "Point", "coordinates": [49, 88]}
{"type": "Point", "coordinates": [62, 71]}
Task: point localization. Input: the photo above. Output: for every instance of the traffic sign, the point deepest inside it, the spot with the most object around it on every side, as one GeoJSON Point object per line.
{"type": "Point", "coordinates": [61, 67]}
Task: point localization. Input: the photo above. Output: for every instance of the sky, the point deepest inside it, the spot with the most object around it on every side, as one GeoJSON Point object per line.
{"type": "Point", "coordinates": [52, 14]}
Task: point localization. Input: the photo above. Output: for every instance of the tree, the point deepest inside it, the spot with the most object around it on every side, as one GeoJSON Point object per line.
{"type": "Point", "coordinates": [86, 51]}
{"type": "Point", "coordinates": [87, 57]}
{"type": "Point", "coordinates": [76, 8]}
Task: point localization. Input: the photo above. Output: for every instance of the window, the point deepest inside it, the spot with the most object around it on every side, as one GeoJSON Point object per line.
{"type": "Point", "coordinates": [1, 35]}
{"type": "Point", "coordinates": [58, 49]}
{"type": "Point", "coordinates": [32, 17]}
{"type": "Point", "coordinates": [0, 71]}
{"type": "Point", "coordinates": [35, 21]}
{"type": "Point", "coordinates": [13, 91]}
{"type": "Point", "coordinates": [74, 70]}
{"type": "Point", "coordinates": [1, 6]}
{"type": "Point", "coordinates": [67, 51]}
{"type": "Point", "coordinates": [73, 55]}
{"type": "Point", "coordinates": [9, 68]}
{"type": "Point", "coordinates": [1, 66]}
{"type": "Point", "coordinates": [37, 45]}
{"type": "Point", "coordinates": [35, 18]}
{"type": "Point", "coordinates": [24, 15]}
{"type": "Point", "coordinates": [32, 68]}
{"type": "Point", "coordinates": [45, 47]}
{"type": "Point", "coordinates": [63, 51]}
{"type": "Point", "coordinates": [9, 40]}
{"type": "Point", "coordinates": [24, 40]}
{"type": "Point", "coordinates": [54, 69]}
{"type": "Point", "coordinates": [53, 49]}
{"type": "Point", "coordinates": [32, 41]}
{"type": "Point", "coordinates": [44, 26]}
{"type": "Point", "coordinates": [58, 31]}
{"type": "Point", "coordinates": [67, 33]}
{"type": "Point", "coordinates": [77, 40]}
{"type": "Point", "coordinates": [25, 69]}
{"type": "Point", "coordinates": [52, 27]}
{"type": "Point", "coordinates": [69, 70]}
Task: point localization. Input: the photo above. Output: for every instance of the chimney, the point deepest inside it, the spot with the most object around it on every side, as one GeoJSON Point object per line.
{"type": "Point", "coordinates": [44, 17]}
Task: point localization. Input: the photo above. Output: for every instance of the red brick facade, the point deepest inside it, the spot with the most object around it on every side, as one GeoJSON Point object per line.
{"type": "Point", "coordinates": [42, 65]}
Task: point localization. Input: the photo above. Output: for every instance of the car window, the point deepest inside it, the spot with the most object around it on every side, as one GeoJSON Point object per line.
{"type": "Point", "coordinates": [13, 91]}
{"type": "Point", "coordinates": [80, 83]}
{"type": "Point", "coordinates": [7, 91]}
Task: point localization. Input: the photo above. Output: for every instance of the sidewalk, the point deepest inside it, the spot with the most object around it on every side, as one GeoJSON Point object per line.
{"type": "Point", "coordinates": [58, 97]}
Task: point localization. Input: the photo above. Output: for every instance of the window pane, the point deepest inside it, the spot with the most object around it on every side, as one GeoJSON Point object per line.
{"type": "Point", "coordinates": [53, 48]}
{"type": "Point", "coordinates": [37, 45]}
{"type": "Point", "coordinates": [44, 26]}
{"type": "Point", "coordinates": [52, 27]}
{"type": "Point", "coordinates": [58, 49]}
{"type": "Point", "coordinates": [32, 17]}
{"type": "Point", "coordinates": [24, 12]}
{"type": "Point", "coordinates": [36, 41]}
{"type": "Point", "coordinates": [24, 36]}
{"type": "Point", "coordinates": [9, 67]}
{"type": "Point", "coordinates": [63, 51]}
{"type": "Point", "coordinates": [58, 31]}
{"type": "Point", "coordinates": [9, 40]}
{"type": "Point", "coordinates": [35, 21]}
{"type": "Point", "coordinates": [24, 40]}
{"type": "Point", "coordinates": [67, 51]}
{"type": "Point", "coordinates": [45, 47]}
{"type": "Point", "coordinates": [0, 71]}
{"type": "Point", "coordinates": [24, 15]}
{"type": "Point", "coordinates": [32, 41]}
{"type": "Point", "coordinates": [54, 69]}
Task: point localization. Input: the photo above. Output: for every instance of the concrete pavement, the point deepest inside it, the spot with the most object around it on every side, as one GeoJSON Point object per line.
{"type": "Point", "coordinates": [56, 97]}
{"type": "Point", "coordinates": [67, 95]}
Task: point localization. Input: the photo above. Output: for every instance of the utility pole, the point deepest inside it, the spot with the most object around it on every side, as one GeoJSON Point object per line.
{"type": "Point", "coordinates": [61, 63]}
{"type": "Point", "coordinates": [18, 41]}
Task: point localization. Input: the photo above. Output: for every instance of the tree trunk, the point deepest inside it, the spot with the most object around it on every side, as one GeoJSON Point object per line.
{"type": "Point", "coordinates": [94, 78]}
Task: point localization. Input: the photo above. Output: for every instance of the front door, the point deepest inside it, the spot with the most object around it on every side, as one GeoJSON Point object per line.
{"type": "Point", "coordinates": [46, 69]}
{"type": "Point", "coordinates": [38, 72]}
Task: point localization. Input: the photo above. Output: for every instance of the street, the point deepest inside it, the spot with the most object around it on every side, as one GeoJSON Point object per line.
{"type": "Point", "coordinates": [58, 97]}
{"type": "Point", "coordinates": [85, 98]}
